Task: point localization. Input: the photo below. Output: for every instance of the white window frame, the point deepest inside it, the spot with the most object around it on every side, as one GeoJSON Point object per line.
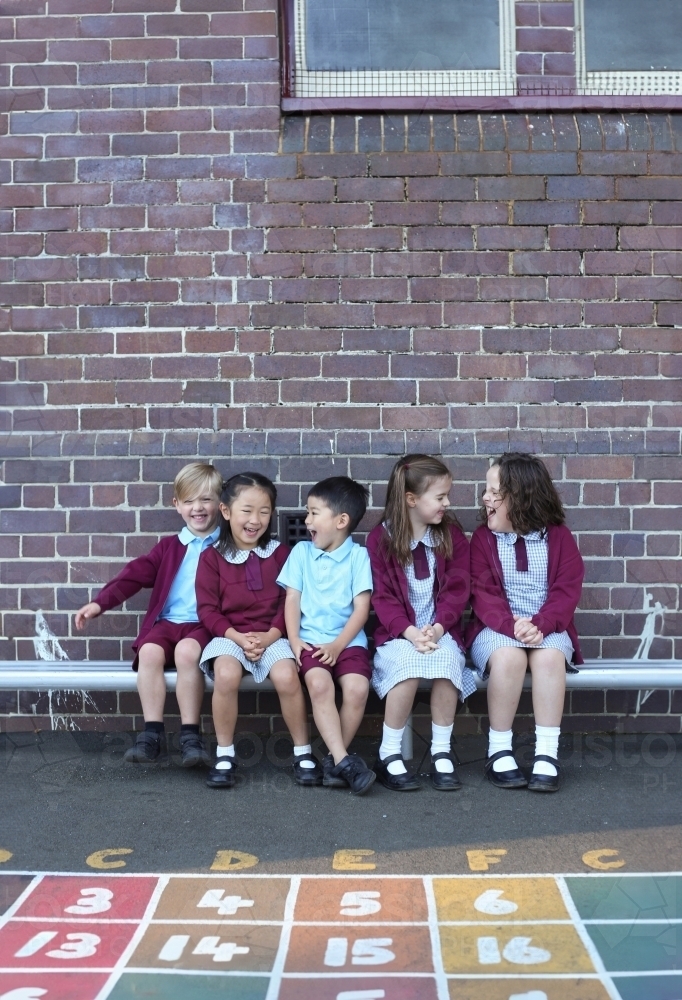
{"type": "Point", "coordinates": [369, 84]}
{"type": "Point", "coordinates": [618, 83]}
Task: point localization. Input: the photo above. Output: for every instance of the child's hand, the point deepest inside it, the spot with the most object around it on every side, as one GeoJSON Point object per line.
{"type": "Point", "coordinates": [297, 646]}
{"type": "Point", "coordinates": [526, 632]}
{"type": "Point", "coordinates": [434, 632]}
{"type": "Point", "coordinates": [261, 639]}
{"type": "Point", "coordinates": [417, 636]}
{"type": "Point", "coordinates": [91, 610]}
{"type": "Point", "coordinates": [327, 653]}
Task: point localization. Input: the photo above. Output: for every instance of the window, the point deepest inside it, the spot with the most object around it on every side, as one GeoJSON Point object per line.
{"type": "Point", "coordinates": [399, 48]}
{"type": "Point", "coordinates": [629, 46]}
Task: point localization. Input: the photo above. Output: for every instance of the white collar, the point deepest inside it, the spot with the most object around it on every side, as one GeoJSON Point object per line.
{"type": "Point", "coordinates": [240, 556]}
{"type": "Point", "coordinates": [427, 539]}
{"type": "Point", "coordinates": [187, 537]}
{"type": "Point", "coordinates": [510, 537]}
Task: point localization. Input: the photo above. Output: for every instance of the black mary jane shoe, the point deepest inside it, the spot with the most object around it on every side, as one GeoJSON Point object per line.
{"type": "Point", "coordinates": [329, 779]}
{"type": "Point", "coordinates": [444, 781]}
{"type": "Point", "coordinates": [504, 779]}
{"type": "Point", "coordinates": [222, 777]}
{"type": "Point", "coordinates": [307, 776]}
{"type": "Point", "coordinates": [544, 782]}
{"type": "Point", "coordinates": [404, 782]}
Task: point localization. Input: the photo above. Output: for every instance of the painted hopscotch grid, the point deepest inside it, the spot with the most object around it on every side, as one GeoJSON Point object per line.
{"type": "Point", "coordinates": [340, 937]}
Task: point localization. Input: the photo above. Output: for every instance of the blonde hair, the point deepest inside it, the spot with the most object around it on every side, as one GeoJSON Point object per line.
{"type": "Point", "coordinates": [414, 474]}
{"type": "Point", "coordinates": [194, 478]}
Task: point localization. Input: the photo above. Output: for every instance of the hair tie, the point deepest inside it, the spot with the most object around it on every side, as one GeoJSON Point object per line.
{"type": "Point", "coordinates": [406, 465]}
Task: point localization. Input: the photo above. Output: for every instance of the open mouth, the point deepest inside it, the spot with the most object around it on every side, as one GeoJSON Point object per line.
{"type": "Point", "coordinates": [312, 533]}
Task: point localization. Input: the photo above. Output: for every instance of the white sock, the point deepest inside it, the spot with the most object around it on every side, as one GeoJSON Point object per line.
{"type": "Point", "coordinates": [440, 743]}
{"type": "Point", "coordinates": [546, 742]}
{"type": "Point", "coordinates": [224, 765]}
{"type": "Point", "coordinates": [391, 743]}
{"type": "Point", "coordinates": [501, 741]}
{"type": "Point", "coordinates": [300, 751]}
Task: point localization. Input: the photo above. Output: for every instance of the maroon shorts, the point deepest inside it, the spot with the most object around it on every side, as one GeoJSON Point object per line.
{"type": "Point", "coordinates": [168, 634]}
{"type": "Point", "coordinates": [353, 660]}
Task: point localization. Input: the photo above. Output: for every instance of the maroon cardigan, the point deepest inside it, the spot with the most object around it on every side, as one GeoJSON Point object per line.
{"type": "Point", "coordinates": [156, 570]}
{"type": "Point", "coordinates": [224, 600]}
{"type": "Point", "coordinates": [390, 595]}
{"type": "Point", "coordinates": [489, 602]}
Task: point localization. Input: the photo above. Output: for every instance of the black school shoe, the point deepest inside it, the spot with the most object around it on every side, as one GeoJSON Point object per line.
{"type": "Point", "coordinates": [355, 773]}
{"type": "Point", "coordinates": [544, 782]}
{"type": "Point", "coordinates": [145, 750]}
{"type": "Point", "coordinates": [444, 781]}
{"type": "Point", "coordinates": [307, 776]}
{"type": "Point", "coordinates": [504, 779]}
{"type": "Point", "coordinates": [329, 779]}
{"type": "Point", "coordinates": [193, 751]}
{"type": "Point", "coordinates": [396, 782]}
{"type": "Point", "coordinates": [222, 777]}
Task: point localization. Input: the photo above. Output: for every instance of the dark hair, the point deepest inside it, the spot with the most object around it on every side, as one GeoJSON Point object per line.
{"type": "Point", "coordinates": [532, 499]}
{"type": "Point", "coordinates": [343, 496]}
{"type": "Point", "coordinates": [231, 490]}
{"type": "Point", "coordinates": [414, 474]}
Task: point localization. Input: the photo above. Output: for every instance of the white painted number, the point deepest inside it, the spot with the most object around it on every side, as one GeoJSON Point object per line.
{"type": "Point", "coordinates": [75, 946]}
{"type": "Point", "coordinates": [221, 952]}
{"type": "Point", "coordinates": [173, 948]}
{"type": "Point", "coordinates": [365, 951]}
{"type": "Point", "coordinates": [226, 906]}
{"type": "Point", "coordinates": [360, 904]}
{"type": "Point", "coordinates": [518, 951]}
{"type": "Point", "coordinates": [533, 995]}
{"type": "Point", "coordinates": [490, 902]}
{"type": "Point", "coordinates": [91, 901]}
{"type": "Point", "coordinates": [24, 993]}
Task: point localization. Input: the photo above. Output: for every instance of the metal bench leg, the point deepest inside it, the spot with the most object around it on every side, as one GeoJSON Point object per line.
{"type": "Point", "coordinates": [407, 747]}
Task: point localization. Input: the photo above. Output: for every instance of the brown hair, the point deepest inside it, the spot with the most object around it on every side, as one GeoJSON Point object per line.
{"type": "Point", "coordinates": [231, 490]}
{"type": "Point", "coordinates": [194, 478]}
{"type": "Point", "coordinates": [413, 474]}
{"type": "Point", "coordinates": [532, 499]}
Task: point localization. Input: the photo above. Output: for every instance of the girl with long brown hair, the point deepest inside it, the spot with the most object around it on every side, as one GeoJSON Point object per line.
{"type": "Point", "coordinates": [527, 575]}
{"type": "Point", "coordinates": [420, 566]}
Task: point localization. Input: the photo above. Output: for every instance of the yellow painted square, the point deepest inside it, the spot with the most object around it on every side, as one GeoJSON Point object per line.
{"type": "Point", "coordinates": [498, 900]}
{"type": "Point", "coordinates": [502, 989]}
{"type": "Point", "coordinates": [504, 949]}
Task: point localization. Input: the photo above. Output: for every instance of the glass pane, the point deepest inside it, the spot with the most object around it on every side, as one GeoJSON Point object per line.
{"type": "Point", "coordinates": [633, 35]}
{"type": "Point", "coordinates": [402, 34]}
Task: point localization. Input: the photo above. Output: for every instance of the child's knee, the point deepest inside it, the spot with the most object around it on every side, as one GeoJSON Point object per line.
{"type": "Point", "coordinates": [319, 683]}
{"type": "Point", "coordinates": [285, 678]}
{"type": "Point", "coordinates": [227, 674]}
{"type": "Point", "coordinates": [187, 656]}
{"type": "Point", "coordinates": [151, 657]}
{"type": "Point", "coordinates": [355, 690]}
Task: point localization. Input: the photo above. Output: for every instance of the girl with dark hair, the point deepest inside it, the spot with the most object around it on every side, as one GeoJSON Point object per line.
{"type": "Point", "coordinates": [420, 567]}
{"type": "Point", "coordinates": [241, 605]}
{"type": "Point", "coordinates": [526, 578]}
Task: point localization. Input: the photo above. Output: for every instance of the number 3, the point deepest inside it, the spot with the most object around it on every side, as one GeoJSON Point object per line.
{"type": "Point", "coordinates": [91, 901]}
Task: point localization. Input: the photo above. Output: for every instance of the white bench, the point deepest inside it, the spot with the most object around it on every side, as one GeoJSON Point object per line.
{"type": "Point", "coordinates": [115, 675]}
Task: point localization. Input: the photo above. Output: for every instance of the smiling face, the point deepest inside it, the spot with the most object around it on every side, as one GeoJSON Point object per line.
{"type": "Point", "coordinates": [430, 506]}
{"type": "Point", "coordinates": [496, 507]}
{"type": "Point", "coordinates": [327, 530]}
{"type": "Point", "coordinates": [199, 512]}
{"type": "Point", "coordinates": [249, 516]}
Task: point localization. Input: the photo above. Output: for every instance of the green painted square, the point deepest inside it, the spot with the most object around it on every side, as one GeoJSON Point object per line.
{"type": "Point", "coordinates": [651, 987]}
{"type": "Point", "coordinates": [638, 947]}
{"type": "Point", "coordinates": [627, 897]}
{"type": "Point", "coordinates": [153, 986]}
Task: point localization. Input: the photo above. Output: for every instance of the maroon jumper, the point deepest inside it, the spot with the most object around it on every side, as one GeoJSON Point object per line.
{"type": "Point", "coordinates": [390, 595]}
{"type": "Point", "coordinates": [489, 602]}
{"type": "Point", "coordinates": [225, 601]}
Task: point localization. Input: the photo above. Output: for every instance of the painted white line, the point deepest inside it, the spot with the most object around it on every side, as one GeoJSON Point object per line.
{"type": "Point", "coordinates": [285, 937]}
{"type": "Point", "coordinates": [587, 941]}
{"type": "Point", "coordinates": [436, 953]}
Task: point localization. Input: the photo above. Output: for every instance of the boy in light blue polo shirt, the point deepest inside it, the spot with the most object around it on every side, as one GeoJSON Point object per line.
{"type": "Point", "coordinates": [329, 583]}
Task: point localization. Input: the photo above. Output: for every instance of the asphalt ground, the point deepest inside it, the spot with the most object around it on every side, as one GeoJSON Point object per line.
{"type": "Point", "coordinates": [66, 799]}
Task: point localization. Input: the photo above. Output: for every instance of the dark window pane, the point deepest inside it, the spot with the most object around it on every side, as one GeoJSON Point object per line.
{"type": "Point", "coordinates": [633, 34]}
{"type": "Point", "coordinates": [402, 34]}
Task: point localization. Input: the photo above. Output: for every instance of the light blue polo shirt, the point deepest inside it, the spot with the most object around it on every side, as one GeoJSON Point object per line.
{"type": "Point", "coordinates": [181, 603]}
{"type": "Point", "coordinates": [328, 582]}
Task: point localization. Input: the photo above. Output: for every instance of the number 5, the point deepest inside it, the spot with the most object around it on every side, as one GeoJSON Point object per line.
{"type": "Point", "coordinates": [360, 904]}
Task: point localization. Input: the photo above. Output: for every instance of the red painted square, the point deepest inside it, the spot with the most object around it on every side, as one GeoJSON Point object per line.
{"type": "Point", "coordinates": [54, 985]}
{"type": "Point", "coordinates": [29, 944]}
{"type": "Point", "coordinates": [87, 897]}
{"type": "Point", "coordinates": [378, 948]}
{"type": "Point", "coordinates": [364, 989]}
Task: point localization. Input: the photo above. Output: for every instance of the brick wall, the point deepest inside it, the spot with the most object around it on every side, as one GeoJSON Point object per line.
{"type": "Point", "coordinates": [186, 274]}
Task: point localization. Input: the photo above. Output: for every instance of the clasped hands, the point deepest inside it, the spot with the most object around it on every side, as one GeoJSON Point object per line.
{"type": "Point", "coordinates": [254, 644]}
{"type": "Point", "coordinates": [526, 632]}
{"type": "Point", "coordinates": [424, 639]}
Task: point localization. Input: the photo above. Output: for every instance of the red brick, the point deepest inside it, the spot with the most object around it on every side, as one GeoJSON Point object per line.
{"type": "Point", "coordinates": [510, 238]}
{"type": "Point", "coordinates": [619, 313]}
{"type": "Point", "coordinates": [376, 238]}
{"type": "Point", "coordinates": [440, 238]}
{"type": "Point", "coordinates": [548, 39]}
{"type": "Point", "coordinates": [403, 164]}
{"type": "Point", "coordinates": [251, 23]}
{"type": "Point", "coordinates": [477, 313]}
{"type": "Point", "coordinates": [444, 289]}
{"type": "Point", "coordinates": [340, 417]}
{"type": "Point", "coordinates": [370, 189]}
{"type": "Point", "coordinates": [651, 340]}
